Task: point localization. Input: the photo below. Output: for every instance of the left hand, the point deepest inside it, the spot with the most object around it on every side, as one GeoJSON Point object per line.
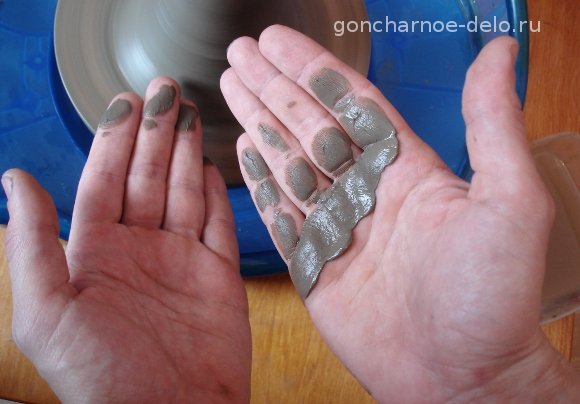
{"type": "Point", "coordinates": [147, 304]}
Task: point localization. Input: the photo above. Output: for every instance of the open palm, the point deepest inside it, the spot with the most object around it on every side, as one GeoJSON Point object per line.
{"type": "Point", "coordinates": [148, 304]}
{"type": "Point", "coordinates": [439, 292]}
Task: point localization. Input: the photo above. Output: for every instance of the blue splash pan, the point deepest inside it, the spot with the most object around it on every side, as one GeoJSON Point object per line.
{"type": "Point", "coordinates": [421, 73]}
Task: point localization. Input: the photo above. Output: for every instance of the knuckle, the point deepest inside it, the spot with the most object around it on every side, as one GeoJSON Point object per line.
{"type": "Point", "coordinates": [152, 170]}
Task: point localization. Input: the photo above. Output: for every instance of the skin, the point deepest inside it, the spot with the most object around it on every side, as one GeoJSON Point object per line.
{"type": "Point", "coordinates": [436, 299]}
{"type": "Point", "coordinates": [147, 304]}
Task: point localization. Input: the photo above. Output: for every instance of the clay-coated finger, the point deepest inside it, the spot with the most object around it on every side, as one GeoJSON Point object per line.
{"type": "Point", "coordinates": [297, 175]}
{"type": "Point", "coordinates": [328, 80]}
{"type": "Point", "coordinates": [102, 184]}
{"type": "Point", "coordinates": [185, 207]}
{"type": "Point", "coordinates": [282, 218]}
{"type": "Point", "coordinates": [147, 177]}
{"type": "Point", "coordinates": [357, 104]}
{"type": "Point", "coordinates": [318, 132]}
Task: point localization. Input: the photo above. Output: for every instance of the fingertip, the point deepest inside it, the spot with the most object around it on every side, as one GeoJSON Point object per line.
{"type": "Point", "coordinates": [226, 79]}
{"type": "Point", "coordinates": [28, 197]}
{"type": "Point", "coordinates": [162, 94]}
{"type": "Point", "coordinates": [8, 182]}
{"type": "Point", "coordinates": [271, 32]}
{"type": "Point", "coordinates": [231, 47]}
{"type": "Point", "coordinates": [163, 80]}
{"type": "Point", "coordinates": [129, 96]}
{"type": "Point", "coordinates": [238, 46]}
{"type": "Point", "coordinates": [498, 55]}
{"type": "Point", "coordinates": [188, 117]}
{"type": "Point", "coordinates": [16, 175]}
{"type": "Point", "coordinates": [507, 43]}
{"type": "Point", "coordinates": [242, 142]}
{"type": "Point", "coordinates": [490, 80]}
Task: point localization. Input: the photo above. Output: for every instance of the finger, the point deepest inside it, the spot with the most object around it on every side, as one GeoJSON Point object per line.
{"type": "Point", "coordinates": [291, 167]}
{"type": "Point", "coordinates": [102, 184]}
{"type": "Point", "coordinates": [358, 105]}
{"type": "Point", "coordinates": [38, 268]}
{"type": "Point", "coordinates": [185, 210]}
{"type": "Point", "coordinates": [316, 130]}
{"type": "Point", "coordinates": [496, 136]}
{"type": "Point", "coordinates": [219, 233]}
{"type": "Point", "coordinates": [330, 81]}
{"type": "Point", "coordinates": [282, 218]}
{"type": "Point", "coordinates": [146, 187]}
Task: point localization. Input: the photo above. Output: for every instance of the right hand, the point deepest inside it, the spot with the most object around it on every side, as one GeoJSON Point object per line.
{"type": "Point", "coordinates": [438, 296]}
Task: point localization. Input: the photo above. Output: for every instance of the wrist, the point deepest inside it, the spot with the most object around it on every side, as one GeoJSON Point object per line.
{"type": "Point", "coordinates": [543, 376]}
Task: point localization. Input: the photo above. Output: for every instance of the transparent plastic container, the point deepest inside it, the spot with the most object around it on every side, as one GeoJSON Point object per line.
{"type": "Point", "coordinates": [558, 160]}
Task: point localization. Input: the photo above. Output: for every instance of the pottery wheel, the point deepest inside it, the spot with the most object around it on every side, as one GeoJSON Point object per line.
{"type": "Point", "coordinates": [109, 46]}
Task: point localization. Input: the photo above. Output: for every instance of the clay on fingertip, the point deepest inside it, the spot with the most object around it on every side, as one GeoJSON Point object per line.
{"type": "Point", "coordinates": [254, 163]}
{"type": "Point", "coordinates": [187, 118]}
{"type": "Point", "coordinates": [329, 86]}
{"type": "Point", "coordinates": [364, 121]}
{"type": "Point", "coordinates": [272, 137]}
{"type": "Point", "coordinates": [267, 195]}
{"type": "Point", "coordinates": [117, 111]}
{"type": "Point", "coordinates": [301, 179]}
{"type": "Point", "coordinates": [161, 102]}
{"type": "Point", "coordinates": [332, 151]}
{"type": "Point", "coordinates": [285, 233]}
{"type": "Point", "coordinates": [149, 124]}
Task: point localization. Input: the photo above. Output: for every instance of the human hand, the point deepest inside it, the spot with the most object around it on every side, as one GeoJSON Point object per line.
{"type": "Point", "coordinates": [438, 296]}
{"type": "Point", "coordinates": [148, 304]}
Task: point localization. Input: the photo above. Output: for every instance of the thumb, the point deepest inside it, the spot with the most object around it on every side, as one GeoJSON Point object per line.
{"type": "Point", "coordinates": [496, 135]}
{"type": "Point", "coordinates": [38, 269]}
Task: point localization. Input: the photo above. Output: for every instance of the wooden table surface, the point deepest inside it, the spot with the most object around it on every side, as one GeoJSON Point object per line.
{"type": "Point", "coordinates": [291, 363]}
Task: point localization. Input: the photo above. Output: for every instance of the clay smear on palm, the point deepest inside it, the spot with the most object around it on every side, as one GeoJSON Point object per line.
{"type": "Point", "coordinates": [327, 231]}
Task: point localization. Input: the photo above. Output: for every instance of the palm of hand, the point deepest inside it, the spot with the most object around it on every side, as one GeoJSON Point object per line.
{"type": "Point", "coordinates": [150, 307]}
{"type": "Point", "coordinates": [414, 289]}
{"type": "Point", "coordinates": [439, 291]}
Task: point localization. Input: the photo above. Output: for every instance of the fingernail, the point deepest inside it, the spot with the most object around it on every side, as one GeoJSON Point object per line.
{"type": "Point", "coordinates": [228, 50]}
{"type": "Point", "coordinates": [7, 184]}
